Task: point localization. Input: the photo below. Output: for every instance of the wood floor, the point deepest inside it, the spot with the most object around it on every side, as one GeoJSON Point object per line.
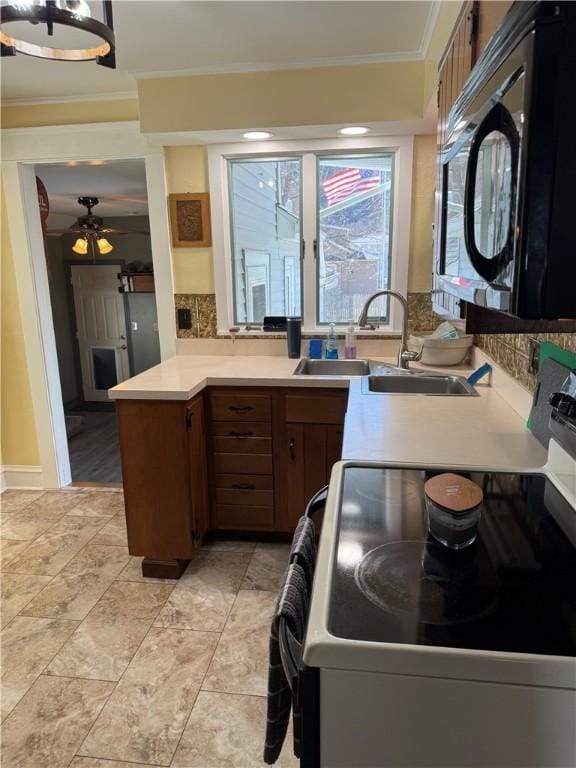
{"type": "Point", "coordinates": [95, 452]}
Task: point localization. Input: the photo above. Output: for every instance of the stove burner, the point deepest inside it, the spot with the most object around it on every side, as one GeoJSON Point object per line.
{"type": "Point", "coordinates": [424, 581]}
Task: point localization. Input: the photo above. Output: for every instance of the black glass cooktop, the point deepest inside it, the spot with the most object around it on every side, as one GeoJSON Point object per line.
{"type": "Point", "coordinates": [514, 589]}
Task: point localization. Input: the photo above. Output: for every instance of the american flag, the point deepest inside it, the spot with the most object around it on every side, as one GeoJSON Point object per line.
{"type": "Point", "coordinates": [350, 181]}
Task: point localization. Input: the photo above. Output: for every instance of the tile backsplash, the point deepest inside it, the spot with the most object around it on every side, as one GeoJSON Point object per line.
{"type": "Point", "coordinates": [202, 307]}
{"type": "Point", "coordinates": [510, 350]}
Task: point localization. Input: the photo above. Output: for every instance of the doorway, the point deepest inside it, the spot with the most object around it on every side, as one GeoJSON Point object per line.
{"type": "Point", "coordinates": [100, 329]}
{"type": "Point", "coordinates": [102, 294]}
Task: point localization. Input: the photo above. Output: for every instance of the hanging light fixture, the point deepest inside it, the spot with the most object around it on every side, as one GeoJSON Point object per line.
{"type": "Point", "coordinates": [104, 246]}
{"type": "Point", "coordinates": [91, 229]}
{"type": "Point", "coordinates": [67, 13]}
{"type": "Point", "coordinates": [81, 246]}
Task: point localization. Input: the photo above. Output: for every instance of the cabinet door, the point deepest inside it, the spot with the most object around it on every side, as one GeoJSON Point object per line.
{"type": "Point", "coordinates": [153, 444]}
{"type": "Point", "coordinates": [490, 16]}
{"type": "Point", "coordinates": [309, 453]}
{"type": "Point", "coordinates": [195, 423]}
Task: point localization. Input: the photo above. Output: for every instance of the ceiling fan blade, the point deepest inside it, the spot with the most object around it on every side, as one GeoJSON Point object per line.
{"type": "Point", "coordinates": [107, 231]}
{"type": "Point", "coordinates": [65, 232]}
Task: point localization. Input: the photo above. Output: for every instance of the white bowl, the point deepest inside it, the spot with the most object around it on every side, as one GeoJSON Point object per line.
{"type": "Point", "coordinates": [441, 351]}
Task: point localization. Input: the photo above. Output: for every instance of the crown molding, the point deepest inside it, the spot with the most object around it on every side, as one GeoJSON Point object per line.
{"type": "Point", "coordinates": [126, 126]}
{"type": "Point", "coordinates": [429, 28]}
{"type": "Point", "coordinates": [231, 69]}
{"type": "Point", "coordinates": [78, 99]}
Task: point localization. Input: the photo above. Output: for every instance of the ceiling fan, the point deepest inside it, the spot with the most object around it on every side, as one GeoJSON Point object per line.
{"type": "Point", "coordinates": [91, 228]}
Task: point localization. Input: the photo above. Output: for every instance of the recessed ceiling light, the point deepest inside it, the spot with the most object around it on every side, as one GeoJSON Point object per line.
{"type": "Point", "coordinates": [256, 135]}
{"type": "Point", "coordinates": [353, 130]}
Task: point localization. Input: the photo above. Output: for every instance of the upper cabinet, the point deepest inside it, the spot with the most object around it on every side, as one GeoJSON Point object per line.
{"type": "Point", "coordinates": [456, 64]}
{"type": "Point", "coordinates": [489, 15]}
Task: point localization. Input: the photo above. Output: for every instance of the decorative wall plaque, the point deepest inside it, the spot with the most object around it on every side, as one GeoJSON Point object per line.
{"type": "Point", "coordinates": [190, 220]}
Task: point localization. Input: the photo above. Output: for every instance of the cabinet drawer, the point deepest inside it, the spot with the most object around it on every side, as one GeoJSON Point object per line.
{"type": "Point", "coordinates": [316, 409]}
{"type": "Point", "coordinates": [243, 518]}
{"type": "Point", "coordinates": [231, 407]}
{"type": "Point", "coordinates": [241, 428]}
{"type": "Point", "coordinates": [243, 463]}
{"type": "Point", "coordinates": [244, 498]}
{"type": "Point", "coordinates": [242, 445]}
{"type": "Point", "coordinates": [245, 482]}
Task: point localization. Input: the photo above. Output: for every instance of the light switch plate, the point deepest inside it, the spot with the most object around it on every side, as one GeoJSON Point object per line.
{"type": "Point", "coordinates": [134, 325]}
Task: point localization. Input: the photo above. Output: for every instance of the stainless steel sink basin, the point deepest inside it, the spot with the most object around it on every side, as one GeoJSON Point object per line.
{"type": "Point", "coordinates": [418, 384]}
{"type": "Point", "coordinates": [308, 367]}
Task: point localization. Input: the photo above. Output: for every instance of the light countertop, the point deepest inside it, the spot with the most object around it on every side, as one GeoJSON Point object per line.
{"type": "Point", "coordinates": [473, 431]}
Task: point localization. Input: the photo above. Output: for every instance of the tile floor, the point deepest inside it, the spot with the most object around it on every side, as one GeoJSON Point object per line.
{"type": "Point", "coordinates": [102, 668]}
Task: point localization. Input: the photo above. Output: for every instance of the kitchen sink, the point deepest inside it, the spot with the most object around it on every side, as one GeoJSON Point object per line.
{"type": "Point", "coordinates": [418, 384]}
{"type": "Point", "coordinates": [308, 367]}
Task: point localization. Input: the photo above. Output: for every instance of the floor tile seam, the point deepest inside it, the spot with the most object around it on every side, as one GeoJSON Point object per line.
{"type": "Point", "coordinates": [33, 541]}
{"type": "Point", "coordinates": [199, 688]}
{"type": "Point", "coordinates": [58, 677]}
{"type": "Point", "coordinates": [22, 610]}
{"type": "Point", "coordinates": [42, 673]}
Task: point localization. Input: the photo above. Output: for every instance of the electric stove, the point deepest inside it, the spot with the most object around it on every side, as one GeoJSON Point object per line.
{"type": "Point", "coordinates": [512, 590]}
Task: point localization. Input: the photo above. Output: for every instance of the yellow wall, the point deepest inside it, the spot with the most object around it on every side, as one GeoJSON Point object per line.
{"type": "Point", "coordinates": [187, 171]}
{"type": "Point", "coordinates": [69, 113]}
{"type": "Point", "coordinates": [423, 182]}
{"type": "Point", "coordinates": [19, 444]}
{"type": "Point", "coordinates": [326, 95]}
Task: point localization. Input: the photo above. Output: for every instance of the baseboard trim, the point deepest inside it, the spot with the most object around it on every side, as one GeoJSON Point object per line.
{"type": "Point", "coordinates": [22, 476]}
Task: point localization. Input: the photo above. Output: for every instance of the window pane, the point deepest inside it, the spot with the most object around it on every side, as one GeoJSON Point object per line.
{"type": "Point", "coordinates": [354, 234]}
{"type": "Point", "coordinates": [265, 208]}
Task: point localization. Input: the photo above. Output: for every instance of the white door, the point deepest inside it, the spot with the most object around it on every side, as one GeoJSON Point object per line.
{"type": "Point", "coordinates": [101, 328]}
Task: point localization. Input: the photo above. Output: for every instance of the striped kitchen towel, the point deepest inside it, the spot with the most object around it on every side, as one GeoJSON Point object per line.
{"type": "Point", "coordinates": [292, 608]}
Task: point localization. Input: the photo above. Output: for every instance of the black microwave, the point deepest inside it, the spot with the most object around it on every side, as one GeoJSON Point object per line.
{"type": "Point", "coordinates": [507, 182]}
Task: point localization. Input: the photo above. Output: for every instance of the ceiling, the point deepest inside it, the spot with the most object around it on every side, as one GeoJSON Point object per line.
{"type": "Point", "coordinates": [177, 37]}
{"type": "Point", "coordinates": [120, 186]}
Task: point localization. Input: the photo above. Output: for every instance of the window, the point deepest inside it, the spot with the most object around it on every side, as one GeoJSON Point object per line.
{"type": "Point", "coordinates": [310, 231]}
{"type": "Point", "coordinates": [354, 233]}
{"type": "Point", "coordinates": [266, 239]}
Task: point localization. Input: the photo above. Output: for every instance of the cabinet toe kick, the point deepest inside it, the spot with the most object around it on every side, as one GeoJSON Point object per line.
{"type": "Point", "coordinates": [163, 569]}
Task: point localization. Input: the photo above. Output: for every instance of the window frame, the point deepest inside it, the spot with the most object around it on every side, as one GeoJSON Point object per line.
{"type": "Point", "coordinates": [308, 150]}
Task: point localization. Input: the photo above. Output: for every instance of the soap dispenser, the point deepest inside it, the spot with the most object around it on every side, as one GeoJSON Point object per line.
{"type": "Point", "coordinates": [350, 349]}
{"type": "Point", "coordinates": [331, 352]}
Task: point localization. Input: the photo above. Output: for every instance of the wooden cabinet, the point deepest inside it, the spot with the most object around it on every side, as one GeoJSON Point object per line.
{"type": "Point", "coordinates": [490, 14]}
{"type": "Point", "coordinates": [163, 447]}
{"type": "Point", "coordinates": [265, 468]}
{"type": "Point", "coordinates": [240, 448]}
{"type": "Point", "coordinates": [229, 460]}
{"type": "Point", "coordinates": [311, 430]}
{"type": "Point", "coordinates": [456, 64]}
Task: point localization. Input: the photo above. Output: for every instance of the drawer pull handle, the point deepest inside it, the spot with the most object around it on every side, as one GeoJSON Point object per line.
{"type": "Point", "coordinates": [241, 434]}
{"type": "Point", "coordinates": [244, 486]}
{"type": "Point", "coordinates": [240, 408]}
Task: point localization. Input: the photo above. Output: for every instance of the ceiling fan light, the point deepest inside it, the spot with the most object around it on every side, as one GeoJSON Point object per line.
{"type": "Point", "coordinates": [81, 246]}
{"type": "Point", "coordinates": [104, 246]}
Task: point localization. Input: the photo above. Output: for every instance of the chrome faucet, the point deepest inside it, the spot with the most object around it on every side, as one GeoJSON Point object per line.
{"type": "Point", "coordinates": [404, 354]}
